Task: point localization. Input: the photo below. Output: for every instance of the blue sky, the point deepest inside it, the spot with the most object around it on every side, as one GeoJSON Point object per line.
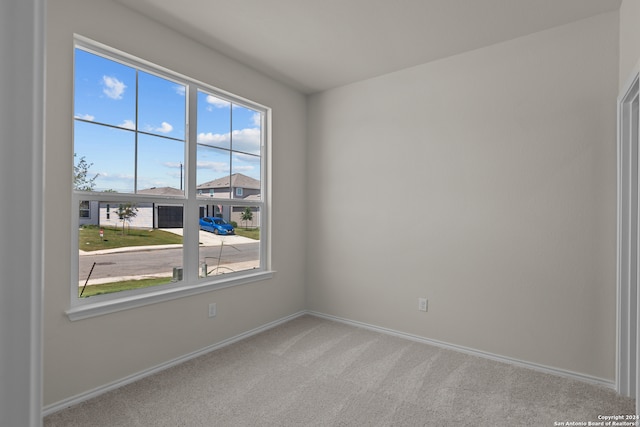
{"type": "Point", "coordinates": [105, 94]}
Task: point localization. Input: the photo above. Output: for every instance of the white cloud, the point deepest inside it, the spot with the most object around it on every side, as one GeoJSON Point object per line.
{"type": "Point", "coordinates": [113, 87]}
{"type": "Point", "coordinates": [115, 176]}
{"type": "Point", "coordinates": [118, 182]}
{"type": "Point", "coordinates": [246, 140]}
{"type": "Point", "coordinates": [128, 124]}
{"type": "Point", "coordinates": [88, 117]}
{"type": "Point", "coordinates": [164, 128]}
{"type": "Point", "coordinates": [173, 165]}
{"type": "Point", "coordinates": [257, 119]}
{"type": "Point", "coordinates": [214, 166]}
{"type": "Point", "coordinates": [214, 138]}
{"type": "Point", "coordinates": [246, 158]}
{"type": "Point", "coordinates": [217, 102]}
{"type": "Point", "coordinates": [180, 90]}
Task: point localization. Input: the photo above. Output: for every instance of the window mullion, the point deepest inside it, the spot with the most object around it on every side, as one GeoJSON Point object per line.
{"type": "Point", "coordinates": [231, 189]}
{"type": "Point", "coordinates": [190, 216]}
{"type": "Point", "coordinates": [135, 164]}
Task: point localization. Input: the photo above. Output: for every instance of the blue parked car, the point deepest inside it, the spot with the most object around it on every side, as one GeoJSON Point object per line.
{"type": "Point", "coordinates": [215, 225]}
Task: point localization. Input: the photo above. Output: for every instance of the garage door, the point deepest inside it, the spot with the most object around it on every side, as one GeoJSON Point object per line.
{"type": "Point", "coordinates": [169, 216]}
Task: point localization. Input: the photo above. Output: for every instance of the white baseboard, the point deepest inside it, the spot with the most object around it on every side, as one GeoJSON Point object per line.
{"type": "Point", "coordinates": [535, 366]}
{"type": "Point", "coordinates": [74, 400]}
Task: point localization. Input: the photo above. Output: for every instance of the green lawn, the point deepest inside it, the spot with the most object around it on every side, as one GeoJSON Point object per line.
{"type": "Point", "coordinates": [113, 238]}
{"type": "Point", "coordinates": [126, 285]}
{"type": "Point", "coordinates": [252, 233]}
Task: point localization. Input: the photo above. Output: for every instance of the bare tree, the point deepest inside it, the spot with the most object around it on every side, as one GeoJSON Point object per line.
{"type": "Point", "coordinates": [81, 180]}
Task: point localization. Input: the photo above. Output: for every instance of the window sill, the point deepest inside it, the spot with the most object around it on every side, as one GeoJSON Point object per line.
{"type": "Point", "coordinates": [86, 311]}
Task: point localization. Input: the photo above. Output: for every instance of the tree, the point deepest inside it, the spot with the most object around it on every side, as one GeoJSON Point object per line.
{"type": "Point", "coordinates": [247, 215]}
{"type": "Point", "coordinates": [126, 212]}
{"type": "Point", "coordinates": [81, 180]}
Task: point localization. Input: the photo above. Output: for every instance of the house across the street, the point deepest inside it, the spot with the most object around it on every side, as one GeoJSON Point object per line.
{"type": "Point", "coordinates": [170, 215]}
{"type": "Point", "coordinates": [237, 187]}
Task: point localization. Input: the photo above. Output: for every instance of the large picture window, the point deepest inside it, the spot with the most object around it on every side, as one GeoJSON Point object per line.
{"type": "Point", "coordinates": [169, 177]}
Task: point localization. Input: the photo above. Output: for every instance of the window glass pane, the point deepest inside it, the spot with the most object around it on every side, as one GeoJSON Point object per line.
{"type": "Point", "coordinates": [212, 174]}
{"type": "Point", "coordinates": [214, 121]}
{"type": "Point", "coordinates": [160, 165]}
{"type": "Point", "coordinates": [119, 250]}
{"type": "Point", "coordinates": [105, 90]}
{"type": "Point", "coordinates": [246, 171]}
{"type": "Point", "coordinates": [108, 154]}
{"type": "Point", "coordinates": [245, 143]}
{"type": "Point", "coordinates": [246, 126]}
{"type": "Point", "coordinates": [229, 239]}
{"type": "Point", "coordinates": [161, 106]}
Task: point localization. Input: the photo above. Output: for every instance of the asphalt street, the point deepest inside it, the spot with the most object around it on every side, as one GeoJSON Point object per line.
{"type": "Point", "coordinates": [154, 261]}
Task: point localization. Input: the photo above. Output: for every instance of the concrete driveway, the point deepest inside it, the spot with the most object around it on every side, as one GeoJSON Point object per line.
{"type": "Point", "coordinates": [209, 239]}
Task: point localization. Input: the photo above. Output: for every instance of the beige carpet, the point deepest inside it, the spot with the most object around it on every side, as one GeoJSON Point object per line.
{"type": "Point", "coordinates": [315, 372]}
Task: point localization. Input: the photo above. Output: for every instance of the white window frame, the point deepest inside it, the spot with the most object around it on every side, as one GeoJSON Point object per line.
{"type": "Point", "coordinates": [81, 308]}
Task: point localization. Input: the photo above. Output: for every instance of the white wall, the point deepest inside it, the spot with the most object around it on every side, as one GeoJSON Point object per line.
{"type": "Point", "coordinates": [629, 37]}
{"type": "Point", "coordinates": [82, 355]}
{"type": "Point", "coordinates": [489, 187]}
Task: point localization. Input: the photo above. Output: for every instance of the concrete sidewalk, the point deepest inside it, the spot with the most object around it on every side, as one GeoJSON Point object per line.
{"type": "Point", "coordinates": [212, 270]}
{"type": "Point", "coordinates": [205, 239]}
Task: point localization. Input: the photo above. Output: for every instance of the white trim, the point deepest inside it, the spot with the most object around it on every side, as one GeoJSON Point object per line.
{"type": "Point", "coordinates": [86, 311]}
{"type": "Point", "coordinates": [37, 214]}
{"type": "Point", "coordinates": [22, 112]}
{"type": "Point", "coordinates": [50, 409]}
{"type": "Point", "coordinates": [509, 360]}
{"type": "Point", "coordinates": [627, 269]}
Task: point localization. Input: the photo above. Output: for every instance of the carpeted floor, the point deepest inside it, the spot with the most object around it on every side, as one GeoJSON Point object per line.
{"type": "Point", "coordinates": [315, 372]}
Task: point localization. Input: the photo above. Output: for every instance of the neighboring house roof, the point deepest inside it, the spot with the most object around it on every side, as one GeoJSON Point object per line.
{"type": "Point", "coordinates": [236, 180]}
{"type": "Point", "coordinates": [162, 191]}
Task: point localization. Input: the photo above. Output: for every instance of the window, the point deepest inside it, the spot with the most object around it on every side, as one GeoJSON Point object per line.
{"type": "Point", "coordinates": [135, 156]}
{"type": "Point", "coordinates": [85, 210]}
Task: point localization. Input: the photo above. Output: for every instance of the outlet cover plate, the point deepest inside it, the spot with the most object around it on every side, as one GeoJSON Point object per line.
{"type": "Point", "coordinates": [212, 309]}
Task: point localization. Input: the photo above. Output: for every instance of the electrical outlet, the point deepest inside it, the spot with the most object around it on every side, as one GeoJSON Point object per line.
{"type": "Point", "coordinates": [212, 309]}
{"type": "Point", "coordinates": [422, 304]}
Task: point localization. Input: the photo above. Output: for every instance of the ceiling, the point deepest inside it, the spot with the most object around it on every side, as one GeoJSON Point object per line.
{"type": "Point", "coordinates": [314, 45]}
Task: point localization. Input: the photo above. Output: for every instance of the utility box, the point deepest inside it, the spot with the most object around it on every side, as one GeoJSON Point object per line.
{"type": "Point", "coordinates": [177, 274]}
{"type": "Point", "coordinates": [203, 271]}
